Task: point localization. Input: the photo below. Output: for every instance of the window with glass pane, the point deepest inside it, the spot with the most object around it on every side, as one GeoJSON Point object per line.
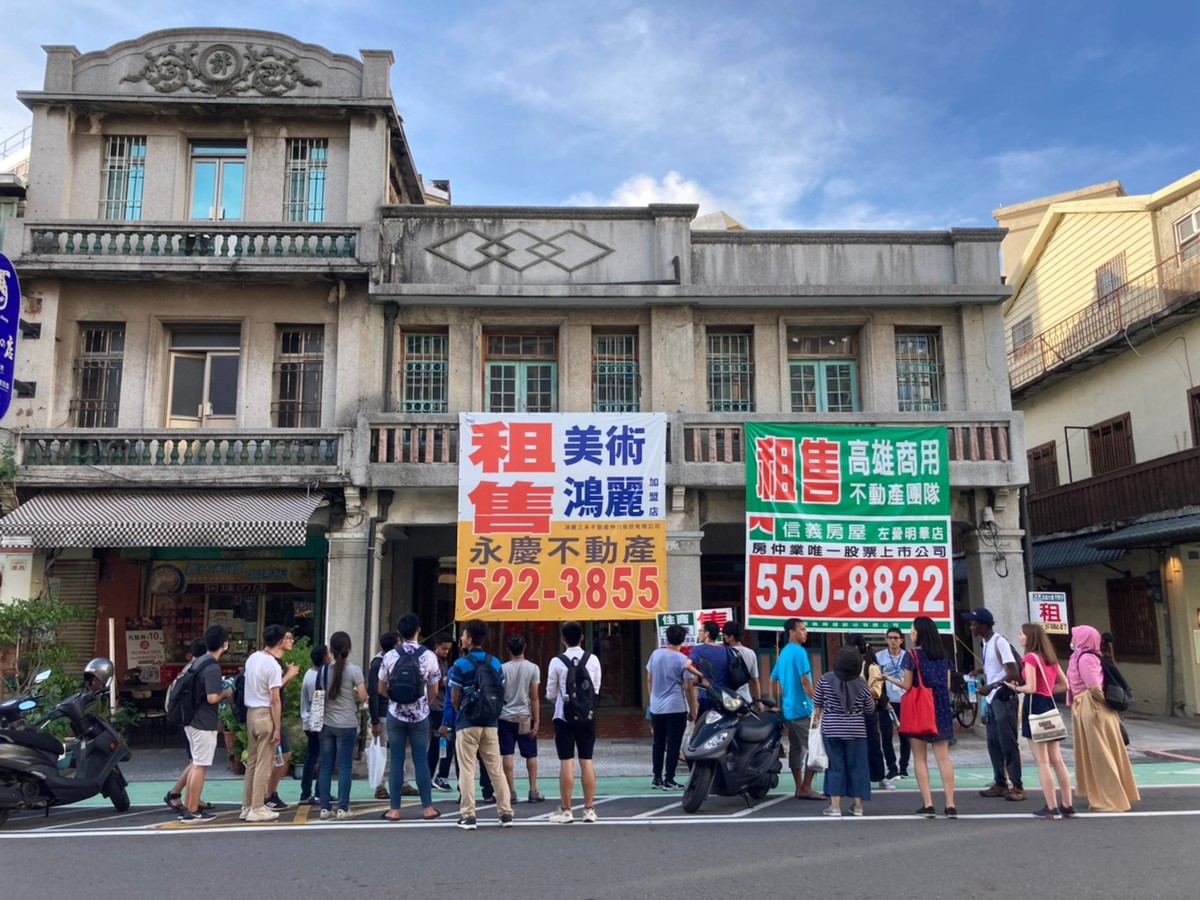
{"type": "Point", "coordinates": [1110, 279]}
{"type": "Point", "coordinates": [123, 178]}
{"type": "Point", "coordinates": [218, 179]}
{"type": "Point", "coordinates": [1187, 235]}
{"type": "Point", "coordinates": [730, 372]}
{"type": "Point", "coordinates": [307, 161]}
{"type": "Point", "coordinates": [98, 364]}
{"type": "Point", "coordinates": [299, 366]}
{"type": "Point", "coordinates": [823, 370]}
{"type": "Point", "coordinates": [920, 372]}
{"type": "Point", "coordinates": [614, 372]}
{"type": "Point", "coordinates": [521, 373]}
{"type": "Point", "coordinates": [423, 373]}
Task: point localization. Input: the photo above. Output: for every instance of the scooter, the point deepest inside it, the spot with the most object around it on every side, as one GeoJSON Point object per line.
{"type": "Point", "coordinates": [734, 750]}
{"type": "Point", "coordinates": [30, 777]}
{"type": "Point", "coordinates": [21, 707]}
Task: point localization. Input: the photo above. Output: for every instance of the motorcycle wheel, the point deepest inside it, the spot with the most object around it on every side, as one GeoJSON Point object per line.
{"type": "Point", "coordinates": [116, 793]}
{"type": "Point", "coordinates": [698, 786]}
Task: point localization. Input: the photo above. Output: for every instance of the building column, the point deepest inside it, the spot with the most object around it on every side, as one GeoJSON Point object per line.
{"type": "Point", "coordinates": [346, 589]}
{"type": "Point", "coordinates": [683, 569]}
{"type": "Point", "coordinates": [998, 583]}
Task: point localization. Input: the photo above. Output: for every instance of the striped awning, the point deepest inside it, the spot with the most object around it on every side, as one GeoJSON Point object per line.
{"type": "Point", "coordinates": [149, 519]}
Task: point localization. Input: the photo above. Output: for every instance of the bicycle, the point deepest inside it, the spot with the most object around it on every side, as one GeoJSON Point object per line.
{"type": "Point", "coordinates": [964, 708]}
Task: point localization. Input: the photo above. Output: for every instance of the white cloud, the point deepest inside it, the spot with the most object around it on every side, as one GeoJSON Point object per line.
{"type": "Point", "coordinates": [641, 190]}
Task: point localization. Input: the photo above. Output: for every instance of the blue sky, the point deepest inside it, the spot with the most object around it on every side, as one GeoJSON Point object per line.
{"type": "Point", "coordinates": [800, 114]}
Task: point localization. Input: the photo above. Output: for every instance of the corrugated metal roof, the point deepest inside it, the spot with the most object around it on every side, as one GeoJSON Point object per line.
{"type": "Point", "coordinates": [1162, 533]}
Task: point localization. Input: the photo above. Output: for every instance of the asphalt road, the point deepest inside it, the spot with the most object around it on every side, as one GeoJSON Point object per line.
{"type": "Point", "coordinates": [644, 846]}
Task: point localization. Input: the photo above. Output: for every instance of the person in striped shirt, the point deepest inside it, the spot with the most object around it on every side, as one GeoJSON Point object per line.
{"type": "Point", "coordinates": [841, 699]}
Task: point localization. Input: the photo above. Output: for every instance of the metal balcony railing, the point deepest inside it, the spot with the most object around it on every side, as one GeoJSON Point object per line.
{"type": "Point", "coordinates": [1138, 300]}
{"type": "Point", "coordinates": [198, 239]}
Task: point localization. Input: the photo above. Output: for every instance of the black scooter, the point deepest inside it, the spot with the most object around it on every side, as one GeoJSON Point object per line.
{"type": "Point", "coordinates": [29, 774]}
{"type": "Point", "coordinates": [734, 750]}
{"type": "Point", "coordinates": [25, 705]}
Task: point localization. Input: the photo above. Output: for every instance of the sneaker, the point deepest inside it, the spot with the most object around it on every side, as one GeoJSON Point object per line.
{"type": "Point", "coordinates": [1016, 794]}
{"type": "Point", "coordinates": [467, 823]}
{"type": "Point", "coordinates": [409, 790]}
{"type": "Point", "coordinates": [951, 812]}
{"type": "Point", "coordinates": [1046, 813]}
{"type": "Point", "coordinates": [892, 775]}
{"type": "Point", "coordinates": [887, 785]}
{"type": "Point", "coordinates": [381, 793]}
{"type": "Point", "coordinates": [536, 797]}
{"type": "Point", "coordinates": [857, 811]}
{"type": "Point", "coordinates": [995, 790]}
{"type": "Point", "coordinates": [589, 814]}
{"type": "Point", "coordinates": [343, 814]}
{"type": "Point", "coordinates": [245, 812]}
{"type": "Point", "coordinates": [903, 773]}
{"type": "Point", "coordinates": [314, 801]}
{"type": "Point", "coordinates": [506, 820]}
{"type": "Point", "coordinates": [927, 812]}
{"type": "Point", "coordinates": [273, 802]}
{"type": "Point", "coordinates": [187, 817]}
{"type": "Point", "coordinates": [832, 811]}
{"type": "Point", "coordinates": [1067, 812]}
{"type": "Point", "coordinates": [327, 814]}
{"type": "Point", "coordinates": [441, 784]}
{"type": "Point", "coordinates": [262, 814]}
{"type": "Point", "coordinates": [656, 785]}
{"type": "Point", "coordinates": [672, 785]}
{"type": "Point", "coordinates": [488, 800]}
{"type": "Point", "coordinates": [306, 799]}
{"type": "Point", "coordinates": [562, 817]}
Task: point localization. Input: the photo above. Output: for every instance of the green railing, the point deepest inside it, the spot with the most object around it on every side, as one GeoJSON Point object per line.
{"type": "Point", "coordinates": [167, 448]}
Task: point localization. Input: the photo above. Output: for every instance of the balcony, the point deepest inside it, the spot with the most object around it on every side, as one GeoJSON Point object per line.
{"type": "Point", "coordinates": [1169, 482]}
{"type": "Point", "coordinates": [123, 249]}
{"type": "Point", "coordinates": [704, 450]}
{"type": "Point", "coordinates": [151, 457]}
{"type": "Point", "coordinates": [1097, 331]}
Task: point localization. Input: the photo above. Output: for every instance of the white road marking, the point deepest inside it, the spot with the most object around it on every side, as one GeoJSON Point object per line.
{"type": "Point", "coordinates": [655, 812]}
{"type": "Point", "coordinates": [763, 805]}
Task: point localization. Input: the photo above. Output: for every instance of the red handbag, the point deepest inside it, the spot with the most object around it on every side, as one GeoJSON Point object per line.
{"type": "Point", "coordinates": [917, 717]}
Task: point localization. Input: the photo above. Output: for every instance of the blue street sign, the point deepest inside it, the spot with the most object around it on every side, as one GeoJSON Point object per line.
{"type": "Point", "coordinates": [10, 317]}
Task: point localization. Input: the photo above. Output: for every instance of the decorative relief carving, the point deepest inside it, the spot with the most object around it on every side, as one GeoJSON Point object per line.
{"type": "Point", "coordinates": [221, 69]}
{"type": "Point", "coordinates": [519, 250]}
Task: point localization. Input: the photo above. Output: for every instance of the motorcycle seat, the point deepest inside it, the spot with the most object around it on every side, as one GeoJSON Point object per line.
{"type": "Point", "coordinates": [756, 727]}
{"type": "Point", "coordinates": [37, 740]}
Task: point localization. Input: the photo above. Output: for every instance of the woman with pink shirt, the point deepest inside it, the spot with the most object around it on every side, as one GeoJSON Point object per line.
{"type": "Point", "coordinates": [1102, 770]}
{"type": "Point", "coordinates": [1043, 677]}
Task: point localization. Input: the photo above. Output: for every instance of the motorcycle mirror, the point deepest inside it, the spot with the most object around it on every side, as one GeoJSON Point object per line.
{"type": "Point", "coordinates": [42, 676]}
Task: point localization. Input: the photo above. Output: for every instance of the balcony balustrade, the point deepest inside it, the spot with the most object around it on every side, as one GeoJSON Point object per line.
{"type": "Point", "coordinates": [193, 239]}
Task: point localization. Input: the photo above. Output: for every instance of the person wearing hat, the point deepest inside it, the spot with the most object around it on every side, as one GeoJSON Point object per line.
{"type": "Point", "coordinates": [999, 666]}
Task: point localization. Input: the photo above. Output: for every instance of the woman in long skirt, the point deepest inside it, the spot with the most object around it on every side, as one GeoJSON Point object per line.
{"type": "Point", "coordinates": [1102, 770]}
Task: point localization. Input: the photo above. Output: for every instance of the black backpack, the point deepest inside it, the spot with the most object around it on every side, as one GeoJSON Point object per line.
{"type": "Point", "coordinates": [182, 701]}
{"type": "Point", "coordinates": [1117, 692]}
{"type": "Point", "coordinates": [579, 701]}
{"type": "Point", "coordinates": [406, 685]}
{"type": "Point", "coordinates": [238, 703]}
{"type": "Point", "coordinates": [739, 672]}
{"type": "Point", "coordinates": [483, 699]}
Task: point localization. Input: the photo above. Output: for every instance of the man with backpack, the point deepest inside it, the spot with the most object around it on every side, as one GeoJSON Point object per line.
{"type": "Point", "coordinates": [573, 685]}
{"type": "Point", "coordinates": [477, 695]}
{"type": "Point", "coordinates": [1003, 722]}
{"type": "Point", "coordinates": [709, 660]}
{"type": "Point", "coordinates": [408, 677]}
{"type": "Point", "coordinates": [174, 797]}
{"type": "Point", "coordinates": [199, 694]}
{"type": "Point", "coordinates": [743, 662]}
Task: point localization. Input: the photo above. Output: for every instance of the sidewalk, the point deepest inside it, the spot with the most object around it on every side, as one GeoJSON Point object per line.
{"type": "Point", "coordinates": [1165, 751]}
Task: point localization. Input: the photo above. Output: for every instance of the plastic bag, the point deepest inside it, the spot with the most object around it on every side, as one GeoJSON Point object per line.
{"type": "Point", "coordinates": [817, 760]}
{"type": "Point", "coordinates": [376, 763]}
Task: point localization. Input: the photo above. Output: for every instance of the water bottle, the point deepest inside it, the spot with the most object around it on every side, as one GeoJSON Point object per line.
{"type": "Point", "coordinates": [443, 748]}
{"type": "Point", "coordinates": [892, 715]}
{"type": "Point", "coordinates": [278, 755]}
{"type": "Point", "coordinates": [972, 691]}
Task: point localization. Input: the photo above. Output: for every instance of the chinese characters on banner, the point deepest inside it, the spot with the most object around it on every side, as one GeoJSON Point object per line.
{"type": "Point", "coordinates": [1049, 609]}
{"type": "Point", "coordinates": [561, 516]}
{"type": "Point", "coordinates": [847, 527]}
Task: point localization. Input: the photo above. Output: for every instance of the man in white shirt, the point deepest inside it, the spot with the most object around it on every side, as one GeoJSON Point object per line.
{"type": "Point", "coordinates": [264, 679]}
{"type": "Point", "coordinates": [999, 665]}
{"type": "Point", "coordinates": [574, 734]}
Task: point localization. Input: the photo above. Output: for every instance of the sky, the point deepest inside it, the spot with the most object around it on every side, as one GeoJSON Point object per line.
{"type": "Point", "coordinates": [908, 114]}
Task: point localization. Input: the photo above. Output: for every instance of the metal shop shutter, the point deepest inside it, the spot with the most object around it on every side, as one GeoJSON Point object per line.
{"type": "Point", "coordinates": [77, 587]}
